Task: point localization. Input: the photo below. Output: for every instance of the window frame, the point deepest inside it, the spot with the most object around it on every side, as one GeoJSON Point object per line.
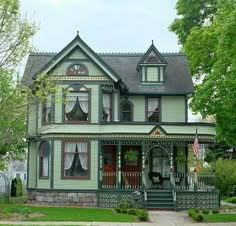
{"type": "Point", "coordinates": [74, 64]}
{"type": "Point", "coordinates": [44, 110]}
{"type": "Point", "coordinates": [158, 112]}
{"type": "Point", "coordinates": [160, 73]}
{"type": "Point", "coordinates": [110, 109]}
{"type": "Point", "coordinates": [87, 176]}
{"type": "Point", "coordinates": [89, 109]}
{"type": "Point", "coordinates": [122, 111]}
{"type": "Point", "coordinates": [41, 164]}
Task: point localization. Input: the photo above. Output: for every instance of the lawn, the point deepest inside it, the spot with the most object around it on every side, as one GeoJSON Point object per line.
{"type": "Point", "coordinates": [67, 214]}
{"type": "Point", "coordinates": [220, 217]}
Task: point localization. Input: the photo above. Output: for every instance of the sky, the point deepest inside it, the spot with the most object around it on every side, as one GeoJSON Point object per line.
{"type": "Point", "coordinates": [105, 25]}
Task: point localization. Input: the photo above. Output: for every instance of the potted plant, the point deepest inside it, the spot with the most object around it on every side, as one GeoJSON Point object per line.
{"type": "Point", "coordinates": [131, 155]}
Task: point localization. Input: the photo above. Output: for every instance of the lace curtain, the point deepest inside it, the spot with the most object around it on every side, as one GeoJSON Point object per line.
{"type": "Point", "coordinates": [69, 147]}
{"type": "Point", "coordinates": [107, 105]}
{"type": "Point", "coordinates": [152, 105]}
{"type": "Point", "coordinates": [83, 157]}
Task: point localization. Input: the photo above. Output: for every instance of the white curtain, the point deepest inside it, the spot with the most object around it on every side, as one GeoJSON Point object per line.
{"type": "Point", "coordinates": [152, 105]}
{"type": "Point", "coordinates": [45, 166]}
{"type": "Point", "coordinates": [71, 101]}
{"type": "Point", "coordinates": [69, 147]}
{"type": "Point", "coordinates": [107, 105]}
{"type": "Point", "coordinates": [83, 154]}
{"type": "Point", "coordinates": [48, 108]}
{"type": "Point", "coordinates": [83, 101]}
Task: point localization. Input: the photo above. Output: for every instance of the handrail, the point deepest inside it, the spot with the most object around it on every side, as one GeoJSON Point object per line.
{"type": "Point", "coordinates": [172, 186]}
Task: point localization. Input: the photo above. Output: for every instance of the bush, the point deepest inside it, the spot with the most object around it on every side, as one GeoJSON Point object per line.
{"type": "Point", "coordinates": [231, 200]}
{"type": "Point", "coordinates": [132, 211]}
{"type": "Point", "coordinates": [215, 211]}
{"type": "Point", "coordinates": [13, 187]}
{"type": "Point", "coordinates": [142, 215]}
{"type": "Point", "coordinates": [205, 211]}
{"type": "Point", "coordinates": [192, 212]}
{"type": "Point", "coordinates": [19, 188]}
{"type": "Point", "coordinates": [198, 217]}
{"type": "Point", "coordinates": [225, 175]}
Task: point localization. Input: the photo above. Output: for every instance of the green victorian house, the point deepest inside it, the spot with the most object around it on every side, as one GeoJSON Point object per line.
{"type": "Point", "coordinates": [119, 133]}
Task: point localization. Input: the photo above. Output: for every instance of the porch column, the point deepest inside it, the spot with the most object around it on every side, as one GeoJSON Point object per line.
{"type": "Point", "coordinates": [100, 164]}
{"type": "Point", "coordinates": [171, 159]}
{"type": "Point", "coordinates": [143, 166]}
{"type": "Point", "coordinates": [119, 166]}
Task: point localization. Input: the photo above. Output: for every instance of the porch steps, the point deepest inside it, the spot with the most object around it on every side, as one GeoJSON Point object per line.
{"type": "Point", "coordinates": [160, 199]}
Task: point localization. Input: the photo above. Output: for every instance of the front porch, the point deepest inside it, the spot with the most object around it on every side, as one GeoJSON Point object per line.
{"type": "Point", "coordinates": [176, 187]}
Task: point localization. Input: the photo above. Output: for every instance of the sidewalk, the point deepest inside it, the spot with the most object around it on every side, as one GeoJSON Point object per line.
{"type": "Point", "coordinates": [157, 218]}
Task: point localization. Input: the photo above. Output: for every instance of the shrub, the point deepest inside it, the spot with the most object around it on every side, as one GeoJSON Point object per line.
{"type": "Point", "coordinates": [231, 200]}
{"type": "Point", "coordinates": [205, 211]}
{"type": "Point", "coordinates": [142, 215]}
{"type": "Point", "coordinates": [198, 217]}
{"type": "Point", "coordinates": [13, 187]}
{"type": "Point", "coordinates": [19, 188]}
{"type": "Point", "coordinates": [192, 212]}
{"type": "Point", "coordinates": [132, 211]}
{"type": "Point", "coordinates": [215, 211]}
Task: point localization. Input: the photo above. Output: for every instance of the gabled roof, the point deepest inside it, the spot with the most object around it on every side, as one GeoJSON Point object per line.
{"type": "Point", "coordinates": [77, 41]}
{"type": "Point", "coordinates": [121, 67]}
{"type": "Point", "coordinates": [152, 48]}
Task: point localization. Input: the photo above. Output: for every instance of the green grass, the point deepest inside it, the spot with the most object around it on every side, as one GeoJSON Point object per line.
{"type": "Point", "coordinates": [71, 214]}
{"type": "Point", "coordinates": [221, 217]}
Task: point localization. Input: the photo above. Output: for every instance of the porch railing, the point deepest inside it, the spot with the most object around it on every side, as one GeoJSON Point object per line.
{"type": "Point", "coordinates": [109, 180]}
{"type": "Point", "coordinates": [131, 180]}
{"type": "Point", "coordinates": [185, 181]}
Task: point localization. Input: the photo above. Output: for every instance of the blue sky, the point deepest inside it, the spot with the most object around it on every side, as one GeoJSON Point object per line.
{"type": "Point", "coordinates": [105, 25]}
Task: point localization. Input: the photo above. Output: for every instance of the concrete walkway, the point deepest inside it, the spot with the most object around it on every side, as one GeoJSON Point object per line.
{"type": "Point", "coordinates": [157, 218]}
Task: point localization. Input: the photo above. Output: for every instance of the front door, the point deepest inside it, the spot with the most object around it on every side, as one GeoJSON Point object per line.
{"type": "Point", "coordinates": [160, 162]}
{"type": "Point", "coordinates": [109, 166]}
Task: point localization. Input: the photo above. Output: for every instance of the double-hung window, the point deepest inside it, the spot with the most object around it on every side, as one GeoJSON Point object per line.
{"type": "Point", "coordinates": [77, 106]}
{"type": "Point", "coordinates": [75, 159]}
{"type": "Point", "coordinates": [107, 107]}
{"type": "Point", "coordinates": [47, 110]}
{"type": "Point", "coordinates": [126, 111]}
{"type": "Point", "coordinates": [44, 152]}
{"type": "Point", "coordinates": [153, 109]}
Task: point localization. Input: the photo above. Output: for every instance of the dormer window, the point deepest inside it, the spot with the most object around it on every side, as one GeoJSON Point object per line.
{"type": "Point", "coordinates": [153, 74]}
{"type": "Point", "coordinates": [77, 69]}
{"type": "Point", "coordinates": [152, 66]}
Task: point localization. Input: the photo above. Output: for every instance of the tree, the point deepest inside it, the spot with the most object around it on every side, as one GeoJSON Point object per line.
{"type": "Point", "coordinates": [206, 29]}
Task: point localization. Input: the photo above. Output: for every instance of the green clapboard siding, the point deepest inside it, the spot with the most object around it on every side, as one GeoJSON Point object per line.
{"type": "Point", "coordinates": [94, 102]}
{"type": "Point", "coordinates": [91, 183]}
{"type": "Point", "coordinates": [32, 119]}
{"type": "Point", "coordinates": [32, 165]}
{"type": "Point", "coordinates": [173, 109]}
{"type": "Point", "coordinates": [139, 108]}
{"type": "Point", "coordinates": [58, 105]}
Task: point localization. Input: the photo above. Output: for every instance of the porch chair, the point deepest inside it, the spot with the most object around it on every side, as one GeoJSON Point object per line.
{"type": "Point", "coordinates": [156, 179]}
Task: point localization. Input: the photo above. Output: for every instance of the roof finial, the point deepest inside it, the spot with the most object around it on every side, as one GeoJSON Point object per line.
{"type": "Point", "coordinates": [78, 32]}
{"type": "Point", "coordinates": [152, 41]}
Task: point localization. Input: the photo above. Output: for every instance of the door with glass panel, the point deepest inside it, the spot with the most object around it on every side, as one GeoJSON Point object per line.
{"type": "Point", "coordinates": [160, 163]}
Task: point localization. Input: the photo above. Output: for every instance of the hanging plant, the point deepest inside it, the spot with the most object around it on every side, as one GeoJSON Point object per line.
{"type": "Point", "coordinates": [181, 158]}
{"type": "Point", "coordinates": [131, 155]}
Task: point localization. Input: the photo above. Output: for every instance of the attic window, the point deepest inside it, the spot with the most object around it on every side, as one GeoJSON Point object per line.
{"type": "Point", "coordinates": [77, 69]}
{"type": "Point", "coordinates": [152, 59]}
{"type": "Point", "coordinates": [153, 74]}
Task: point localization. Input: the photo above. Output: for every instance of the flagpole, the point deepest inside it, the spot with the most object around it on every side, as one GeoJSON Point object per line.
{"type": "Point", "coordinates": [195, 153]}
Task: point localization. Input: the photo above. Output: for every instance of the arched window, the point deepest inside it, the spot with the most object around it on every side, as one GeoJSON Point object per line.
{"type": "Point", "coordinates": [44, 152]}
{"type": "Point", "coordinates": [77, 69]}
{"type": "Point", "coordinates": [77, 105]}
{"type": "Point", "coordinates": [126, 109]}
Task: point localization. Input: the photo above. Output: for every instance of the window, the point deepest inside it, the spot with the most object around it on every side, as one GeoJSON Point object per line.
{"type": "Point", "coordinates": [77, 107]}
{"type": "Point", "coordinates": [77, 69]}
{"type": "Point", "coordinates": [152, 110]}
{"type": "Point", "coordinates": [75, 159]}
{"type": "Point", "coordinates": [47, 110]}
{"type": "Point", "coordinates": [107, 107]}
{"type": "Point", "coordinates": [44, 159]}
{"type": "Point", "coordinates": [126, 109]}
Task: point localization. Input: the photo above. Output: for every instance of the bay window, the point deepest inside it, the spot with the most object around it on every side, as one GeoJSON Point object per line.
{"type": "Point", "coordinates": [77, 106]}
{"type": "Point", "coordinates": [44, 152]}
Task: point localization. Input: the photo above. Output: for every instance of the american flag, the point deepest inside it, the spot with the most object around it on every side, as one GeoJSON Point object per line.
{"type": "Point", "coordinates": [195, 146]}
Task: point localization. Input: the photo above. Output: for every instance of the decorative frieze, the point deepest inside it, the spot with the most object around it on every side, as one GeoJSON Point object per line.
{"type": "Point", "coordinates": [79, 78]}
